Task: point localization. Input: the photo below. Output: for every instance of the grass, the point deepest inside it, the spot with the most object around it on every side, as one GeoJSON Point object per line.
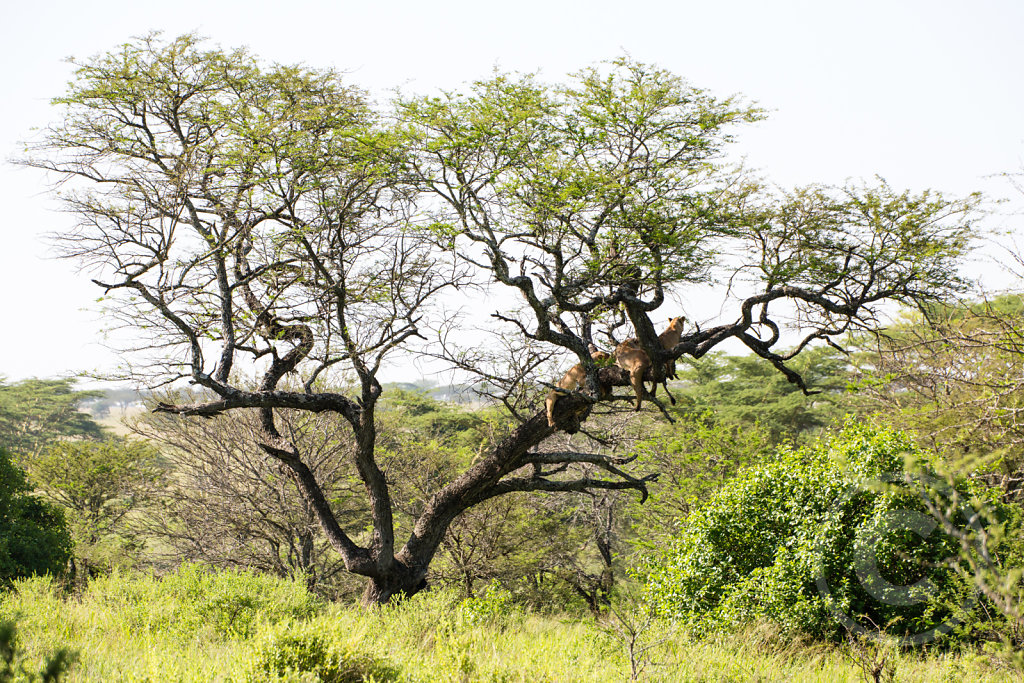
{"type": "Point", "coordinates": [196, 625]}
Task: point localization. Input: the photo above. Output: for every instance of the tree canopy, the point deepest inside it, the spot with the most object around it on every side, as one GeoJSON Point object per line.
{"type": "Point", "coordinates": [742, 390]}
{"type": "Point", "coordinates": [260, 227]}
{"type": "Point", "coordinates": [35, 411]}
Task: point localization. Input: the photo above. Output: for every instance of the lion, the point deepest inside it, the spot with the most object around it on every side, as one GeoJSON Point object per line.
{"type": "Point", "coordinates": [634, 360]}
{"type": "Point", "coordinates": [571, 380]}
{"type": "Point", "coordinates": [669, 338]}
{"type": "Point", "coordinates": [631, 358]}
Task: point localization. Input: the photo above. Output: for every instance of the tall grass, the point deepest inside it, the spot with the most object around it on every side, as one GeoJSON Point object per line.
{"type": "Point", "coordinates": [197, 625]}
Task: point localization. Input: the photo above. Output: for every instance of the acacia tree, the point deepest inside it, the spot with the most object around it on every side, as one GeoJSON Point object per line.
{"type": "Point", "coordinates": [252, 220]}
{"type": "Point", "coordinates": [34, 412]}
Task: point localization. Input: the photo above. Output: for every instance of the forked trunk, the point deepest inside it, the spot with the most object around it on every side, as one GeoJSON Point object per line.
{"type": "Point", "coordinates": [380, 590]}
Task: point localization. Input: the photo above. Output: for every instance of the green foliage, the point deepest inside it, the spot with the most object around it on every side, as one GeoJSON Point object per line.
{"type": "Point", "coordinates": [766, 544]}
{"type": "Point", "coordinates": [434, 420]}
{"type": "Point", "coordinates": [98, 483]}
{"type": "Point", "coordinates": [299, 652]}
{"type": "Point", "coordinates": [494, 607]}
{"type": "Point", "coordinates": [814, 236]}
{"type": "Point", "coordinates": [746, 390]}
{"type": "Point", "coordinates": [33, 536]}
{"type": "Point", "coordinates": [617, 176]}
{"type": "Point", "coordinates": [195, 599]}
{"type": "Point", "coordinates": [11, 669]}
{"type": "Point", "coordinates": [34, 412]}
{"type": "Point", "coordinates": [623, 149]}
{"type": "Point", "coordinates": [955, 375]}
{"type": "Point", "coordinates": [693, 457]}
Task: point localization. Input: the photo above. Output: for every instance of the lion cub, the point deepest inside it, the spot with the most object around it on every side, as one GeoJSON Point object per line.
{"type": "Point", "coordinates": [631, 358]}
{"type": "Point", "coordinates": [571, 380]}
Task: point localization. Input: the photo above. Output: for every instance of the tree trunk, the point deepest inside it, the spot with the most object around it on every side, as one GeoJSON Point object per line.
{"type": "Point", "coordinates": [402, 583]}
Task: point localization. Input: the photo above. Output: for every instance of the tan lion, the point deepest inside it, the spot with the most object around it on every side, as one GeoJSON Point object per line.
{"type": "Point", "coordinates": [631, 358]}
{"type": "Point", "coordinates": [634, 360]}
{"type": "Point", "coordinates": [571, 380]}
{"type": "Point", "coordinates": [669, 338]}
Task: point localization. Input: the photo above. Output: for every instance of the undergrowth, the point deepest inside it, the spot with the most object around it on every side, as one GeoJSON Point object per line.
{"type": "Point", "coordinates": [200, 625]}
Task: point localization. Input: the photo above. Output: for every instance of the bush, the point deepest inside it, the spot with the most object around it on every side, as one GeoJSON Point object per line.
{"type": "Point", "coordinates": [33, 536]}
{"type": "Point", "coordinates": [98, 484]}
{"type": "Point", "coordinates": [495, 608]}
{"type": "Point", "coordinates": [196, 599]}
{"type": "Point", "coordinates": [818, 542]}
{"type": "Point", "coordinates": [13, 666]}
{"type": "Point", "coordinates": [294, 651]}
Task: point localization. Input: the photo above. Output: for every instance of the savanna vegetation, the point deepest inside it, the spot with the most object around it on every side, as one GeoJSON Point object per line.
{"type": "Point", "coordinates": [839, 501]}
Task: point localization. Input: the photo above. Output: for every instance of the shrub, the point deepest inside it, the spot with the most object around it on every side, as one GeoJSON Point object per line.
{"type": "Point", "coordinates": [196, 599]}
{"type": "Point", "coordinates": [305, 651]}
{"type": "Point", "coordinates": [33, 536]}
{"type": "Point", "coordinates": [12, 664]}
{"type": "Point", "coordinates": [812, 541]}
{"type": "Point", "coordinates": [98, 484]}
{"type": "Point", "coordinates": [495, 608]}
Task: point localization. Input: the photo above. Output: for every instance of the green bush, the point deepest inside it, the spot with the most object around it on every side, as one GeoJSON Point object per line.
{"type": "Point", "coordinates": [305, 651]}
{"type": "Point", "coordinates": [494, 608]}
{"type": "Point", "coordinates": [818, 538]}
{"type": "Point", "coordinates": [99, 485]}
{"type": "Point", "coordinates": [196, 599]}
{"type": "Point", "coordinates": [12, 666]}
{"type": "Point", "coordinates": [33, 536]}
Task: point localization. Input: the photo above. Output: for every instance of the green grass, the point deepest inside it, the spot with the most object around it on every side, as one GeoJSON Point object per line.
{"type": "Point", "coordinates": [196, 625]}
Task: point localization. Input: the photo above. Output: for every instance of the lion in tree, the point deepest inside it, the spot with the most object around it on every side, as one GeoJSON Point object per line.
{"type": "Point", "coordinates": [634, 360]}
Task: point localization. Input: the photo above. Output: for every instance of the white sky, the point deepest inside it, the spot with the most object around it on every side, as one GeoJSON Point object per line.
{"type": "Point", "coordinates": [926, 93]}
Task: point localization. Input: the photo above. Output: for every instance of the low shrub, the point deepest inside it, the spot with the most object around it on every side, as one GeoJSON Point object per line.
{"type": "Point", "coordinates": [306, 651]}
{"type": "Point", "coordinates": [196, 599]}
{"type": "Point", "coordinates": [12, 661]}
{"type": "Point", "coordinates": [495, 608]}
